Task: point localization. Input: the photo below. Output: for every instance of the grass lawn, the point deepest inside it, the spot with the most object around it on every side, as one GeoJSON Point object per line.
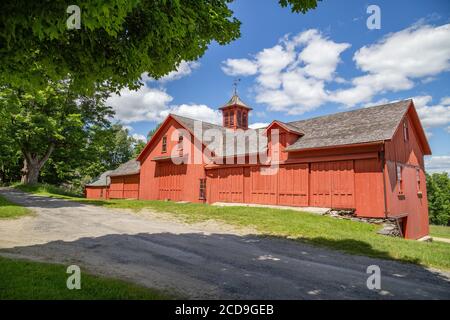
{"type": "Point", "coordinates": [11, 210]}
{"type": "Point", "coordinates": [440, 231]}
{"type": "Point", "coordinates": [34, 280]}
{"type": "Point", "coordinates": [349, 236]}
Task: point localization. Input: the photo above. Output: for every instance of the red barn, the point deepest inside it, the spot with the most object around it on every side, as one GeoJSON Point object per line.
{"type": "Point", "coordinates": [125, 181]}
{"type": "Point", "coordinates": [98, 189]}
{"type": "Point", "coordinates": [370, 160]}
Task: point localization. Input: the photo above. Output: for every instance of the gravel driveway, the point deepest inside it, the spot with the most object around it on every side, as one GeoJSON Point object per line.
{"type": "Point", "coordinates": [207, 260]}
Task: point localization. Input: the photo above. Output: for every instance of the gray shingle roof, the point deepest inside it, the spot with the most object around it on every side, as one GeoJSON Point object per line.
{"type": "Point", "coordinates": [290, 127]}
{"type": "Point", "coordinates": [364, 125]}
{"type": "Point", "coordinates": [235, 100]}
{"type": "Point", "coordinates": [229, 150]}
{"type": "Point", "coordinates": [127, 168]}
{"type": "Point", "coordinates": [102, 181]}
{"type": "Point", "coordinates": [358, 126]}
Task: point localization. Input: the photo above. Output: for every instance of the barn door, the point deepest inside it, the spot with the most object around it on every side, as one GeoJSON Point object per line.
{"type": "Point", "coordinates": [320, 184]}
{"type": "Point", "coordinates": [293, 185]}
{"type": "Point", "coordinates": [342, 184]}
{"type": "Point", "coordinates": [332, 184]}
{"type": "Point", "coordinates": [263, 186]}
{"type": "Point", "coordinates": [231, 185]}
{"type": "Point", "coordinates": [171, 181]}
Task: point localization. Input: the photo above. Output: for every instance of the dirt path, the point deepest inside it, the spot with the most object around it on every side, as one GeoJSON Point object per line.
{"type": "Point", "coordinates": [208, 260]}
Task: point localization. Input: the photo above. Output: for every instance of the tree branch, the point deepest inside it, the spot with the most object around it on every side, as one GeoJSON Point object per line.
{"type": "Point", "coordinates": [49, 151]}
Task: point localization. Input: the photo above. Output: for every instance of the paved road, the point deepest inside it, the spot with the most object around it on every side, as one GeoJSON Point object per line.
{"type": "Point", "coordinates": [206, 260]}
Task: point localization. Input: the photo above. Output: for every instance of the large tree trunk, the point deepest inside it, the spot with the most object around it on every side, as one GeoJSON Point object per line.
{"type": "Point", "coordinates": [32, 165]}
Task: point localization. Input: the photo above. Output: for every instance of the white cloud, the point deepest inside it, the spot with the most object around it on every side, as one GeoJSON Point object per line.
{"type": "Point", "coordinates": [184, 69]}
{"type": "Point", "coordinates": [145, 104]}
{"type": "Point", "coordinates": [392, 64]}
{"type": "Point", "coordinates": [445, 101]}
{"type": "Point", "coordinates": [139, 137]}
{"type": "Point", "coordinates": [258, 125]}
{"type": "Point", "coordinates": [432, 116]}
{"type": "Point", "coordinates": [437, 164]}
{"type": "Point", "coordinates": [197, 111]}
{"type": "Point", "coordinates": [320, 55]}
{"type": "Point", "coordinates": [239, 67]}
{"type": "Point", "coordinates": [152, 104]}
{"type": "Point", "coordinates": [291, 76]}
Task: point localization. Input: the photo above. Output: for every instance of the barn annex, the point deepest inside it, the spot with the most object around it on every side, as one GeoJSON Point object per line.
{"type": "Point", "coordinates": [370, 160]}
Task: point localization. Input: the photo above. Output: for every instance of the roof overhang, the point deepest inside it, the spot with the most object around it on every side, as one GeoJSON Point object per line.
{"type": "Point", "coordinates": [235, 105]}
{"type": "Point", "coordinates": [171, 158]}
{"type": "Point", "coordinates": [124, 174]}
{"type": "Point", "coordinates": [419, 129]}
{"type": "Point", "coordinates": [286, 128]}
{"type": "Point", "coordinates": [372, 143]}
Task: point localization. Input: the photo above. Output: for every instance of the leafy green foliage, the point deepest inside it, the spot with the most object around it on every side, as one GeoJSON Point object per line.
{"type": "Point", "coordinates": [101, 149]}
{"type": "Point", "coordinates": [117, 42]}
{"type": "Point", "coordinates": [37, 122]}
{"type": "Point", "coordinates": [438, 189]}
{"type": "Point", "coordinates": [299, 5]}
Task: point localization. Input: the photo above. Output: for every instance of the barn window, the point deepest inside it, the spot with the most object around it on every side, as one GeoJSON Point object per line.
{"type": "Point", "coordinates": [180, 142]}
{"type": "Point", "coordinates": [418, 179]}
{"type": "Point", "coordinates": [405, 130]}
{"type": "Point", "coordinates": [164, 144]}
{"type": "Point", "coordinates": [202, 195]}
{"type": "Point", "coordinates": [244, 119]}
{"type": "Point", "coordinates": [400, 178]}
{"type": "Point", "coordinates": [239, 118]}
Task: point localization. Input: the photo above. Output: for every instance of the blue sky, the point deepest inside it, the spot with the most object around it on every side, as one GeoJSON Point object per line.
{"type": "Point", "coordinates": [295, 66]}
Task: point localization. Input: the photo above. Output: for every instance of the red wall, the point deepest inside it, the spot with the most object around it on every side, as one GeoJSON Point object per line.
{"type": "Point", "coordinates": [164, 180]}
{"type": "Point", "coordinates": [409, 200]}
{"type": "Point", "coordinates": [124, 187]}
{"type": "Point", "coordinates": [96, 192]}
{"type": "Point", "coordinates": [350, 184]}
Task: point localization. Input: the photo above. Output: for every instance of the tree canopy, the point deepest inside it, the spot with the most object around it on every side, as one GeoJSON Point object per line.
{"type": "Point", "coordinates": [438, 188]}
{"type": "Point", "coordinates": [37, 122]}
{"type": "Point", "coordinates": [117, 42]}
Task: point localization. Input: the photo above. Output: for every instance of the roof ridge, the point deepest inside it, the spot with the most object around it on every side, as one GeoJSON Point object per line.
{"type": "Point", "coordinates": [349, 111]}
{"type": "Point", "coordinates": [214, 124]}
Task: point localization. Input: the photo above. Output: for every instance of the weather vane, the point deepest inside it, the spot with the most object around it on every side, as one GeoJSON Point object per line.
{"type": "Point", "coordinates": [235, 85]}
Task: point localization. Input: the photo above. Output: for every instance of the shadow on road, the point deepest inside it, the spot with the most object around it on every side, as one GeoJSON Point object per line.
{"type": "Point", "coordinates": [200, 265]}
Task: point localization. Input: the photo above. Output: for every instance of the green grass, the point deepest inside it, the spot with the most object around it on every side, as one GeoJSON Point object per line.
{"type": "Point", "coordinates": [10, 210]}
{"type": "Point", "coordinates": [45, 189]}
{"type": "Point", "coordinates": [440, 231]}
{"type": "Point", "coordinates": [34, 280]}
{"type": "Point", "coordinates": [345, 235]}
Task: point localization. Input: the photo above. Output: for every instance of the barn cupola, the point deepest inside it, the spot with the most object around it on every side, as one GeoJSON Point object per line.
{"type": "Point", "coordinates": [235, 113]}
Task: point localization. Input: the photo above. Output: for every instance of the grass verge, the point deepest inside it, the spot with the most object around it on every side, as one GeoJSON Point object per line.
{"type": "Point", "coordinates": [10, 210]}
{"type": "Point", "coordinates": [345, 235]}
{"type": "Point", "coordinates": [440, 231]}
{"type": "Point", "coordinates": [27, 280]}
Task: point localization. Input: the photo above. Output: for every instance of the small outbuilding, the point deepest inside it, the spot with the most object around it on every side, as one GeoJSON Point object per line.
{"type": "Point", "coordinates": [98, 189]}
{"type": "Point", "coordinates": [125, 181]}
